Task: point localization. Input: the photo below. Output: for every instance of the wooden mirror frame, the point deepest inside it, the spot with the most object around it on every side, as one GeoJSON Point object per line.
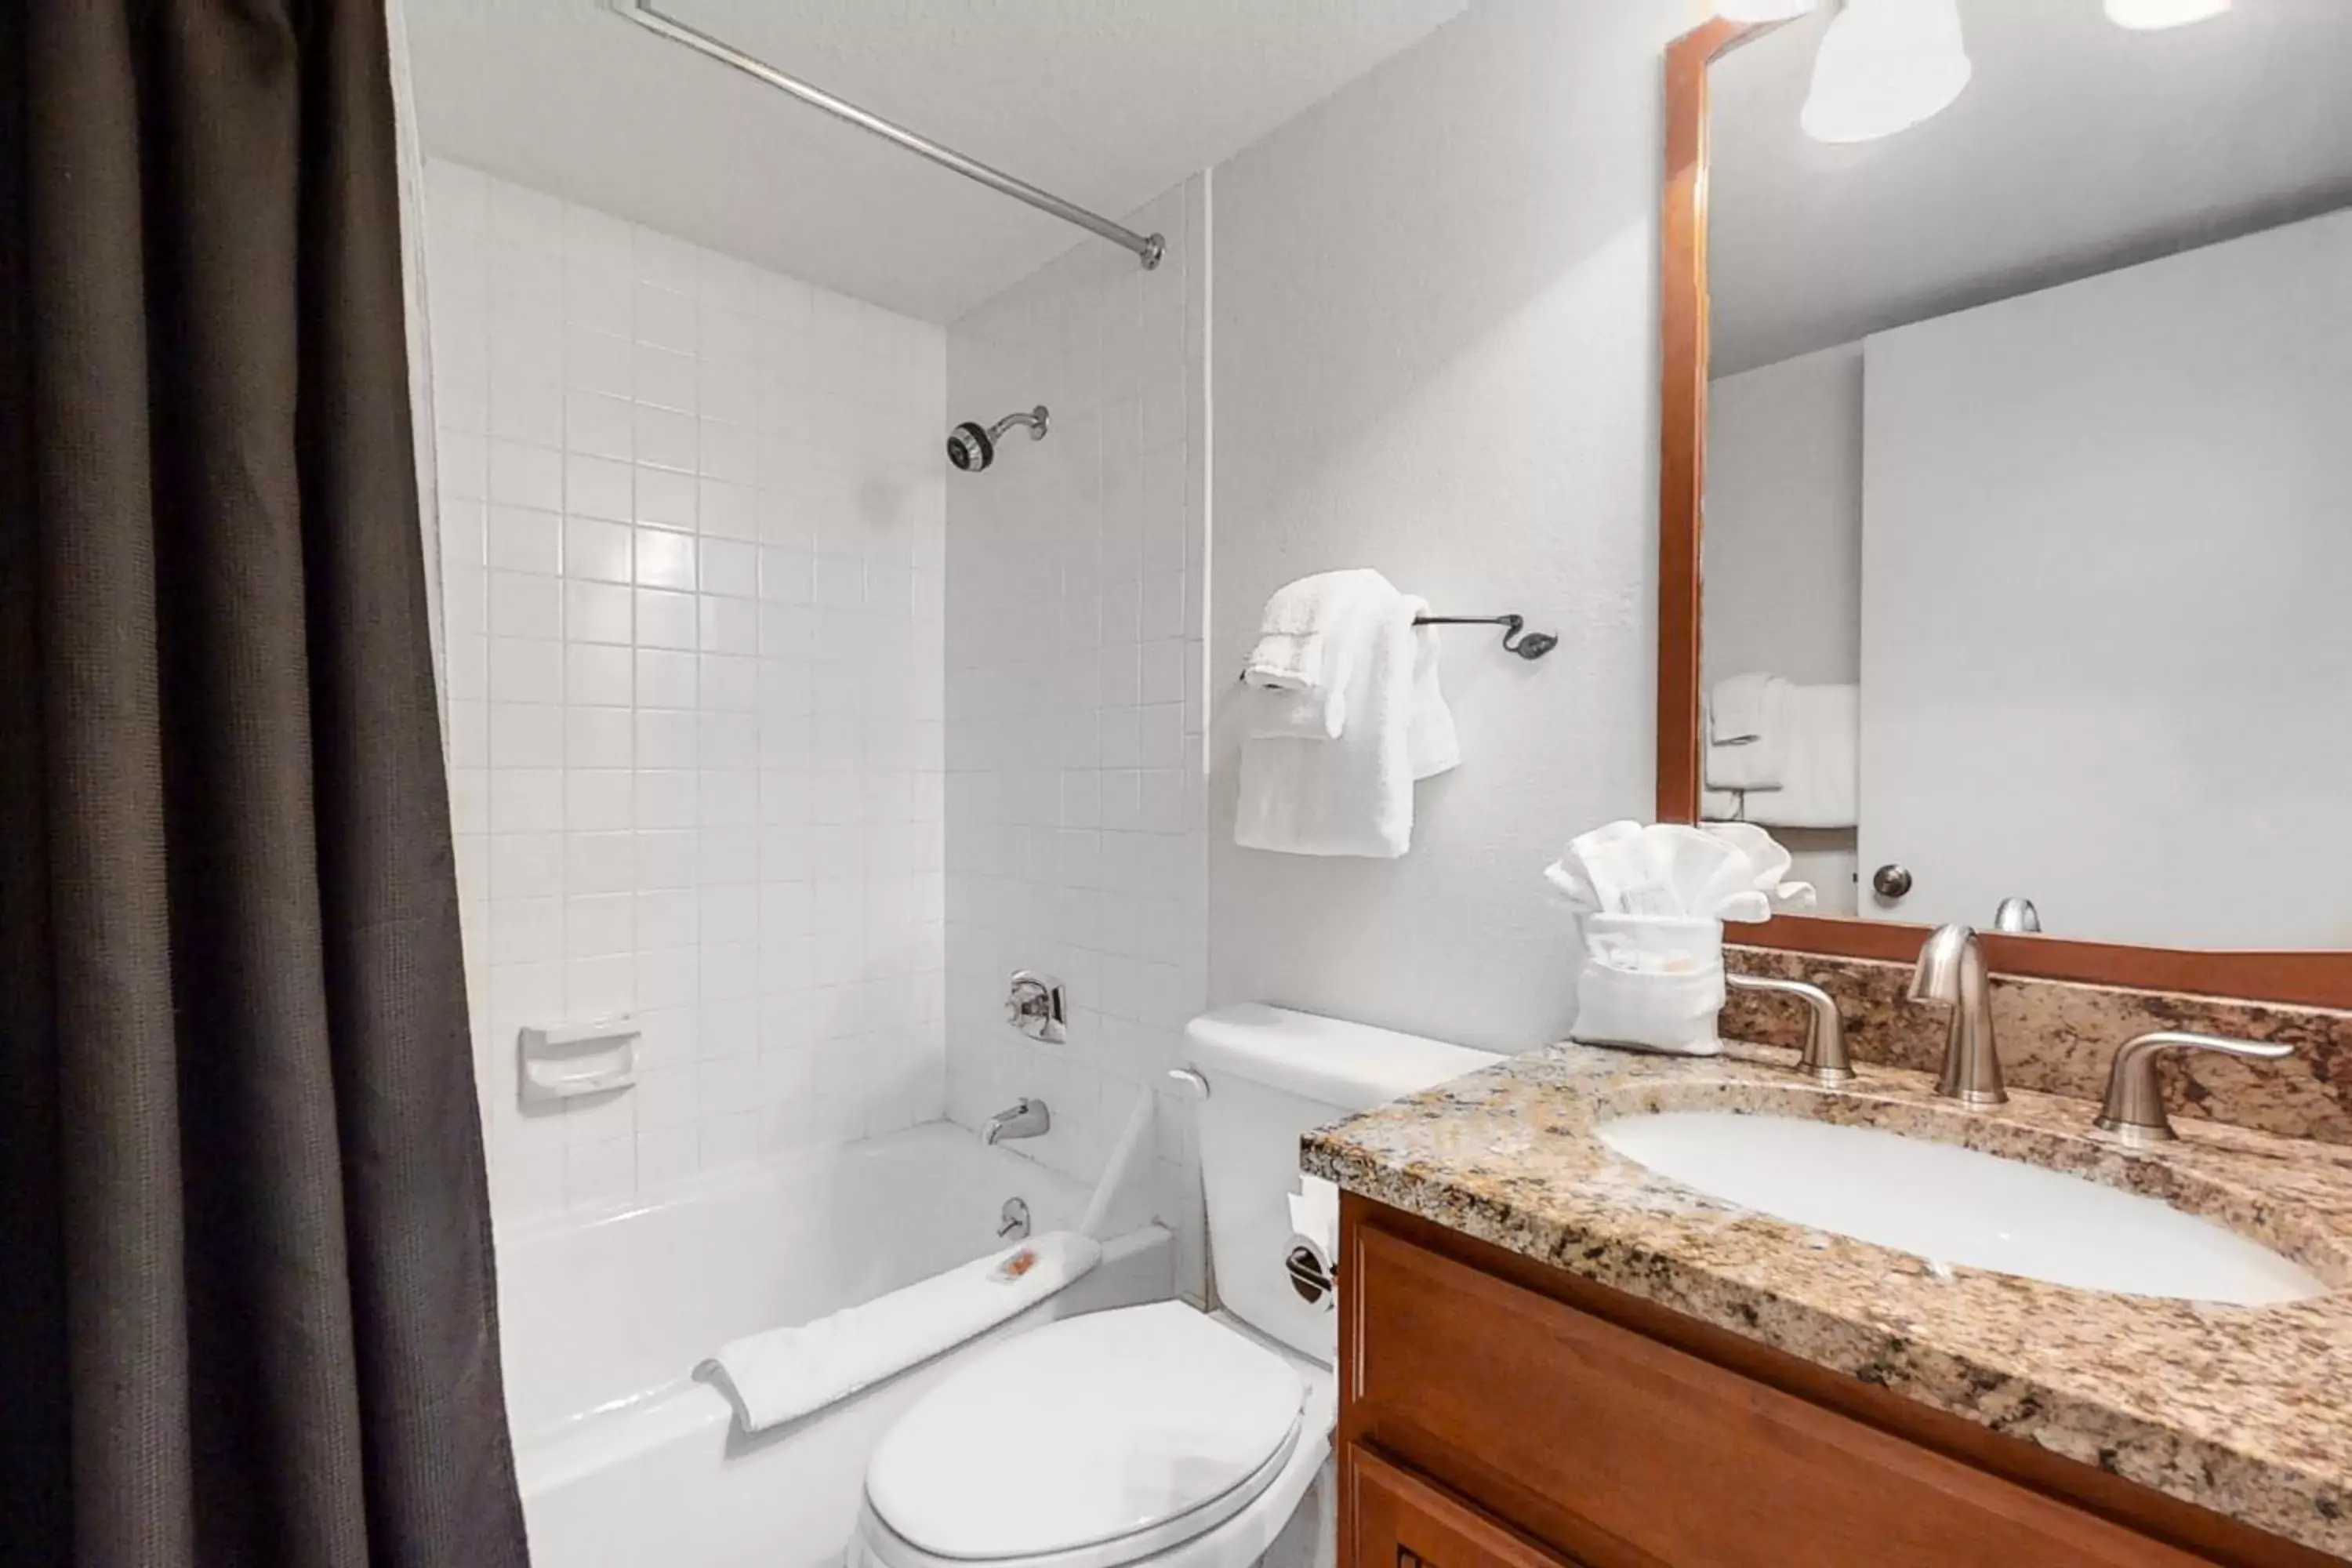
{"type": "Point", "coordinates": [2317, 979]}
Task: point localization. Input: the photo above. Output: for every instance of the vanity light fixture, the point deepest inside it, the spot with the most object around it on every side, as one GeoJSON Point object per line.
{"type": "Point", "coordinates": [2149, 15]}
{"type": "Point", "coordinates": [1884, 67]}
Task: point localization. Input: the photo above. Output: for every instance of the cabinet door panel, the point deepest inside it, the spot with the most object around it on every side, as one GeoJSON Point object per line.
{"type": "Point", "coordinates": [1403, 1521]}
{"type": "Point", "coordinates": [1583, 1432]}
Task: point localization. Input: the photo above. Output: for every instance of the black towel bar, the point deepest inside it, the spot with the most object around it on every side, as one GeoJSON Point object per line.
{"type": "Point", "coordinates": [1517, 639]}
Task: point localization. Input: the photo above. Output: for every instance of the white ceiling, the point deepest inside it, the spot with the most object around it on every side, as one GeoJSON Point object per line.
{"type": "Point", "coordinates": [2078, 147]}
{"type": "Point", "coordinates": [1104, 103]}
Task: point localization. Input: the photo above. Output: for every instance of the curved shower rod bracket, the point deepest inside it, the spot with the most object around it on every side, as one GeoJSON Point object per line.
{"type": "Point", "coordinates": [1148, 247]}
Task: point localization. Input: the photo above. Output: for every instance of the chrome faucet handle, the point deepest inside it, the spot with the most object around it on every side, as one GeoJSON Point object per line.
{"type": "Point", "coordinates": [1825, 1060]}
{"type": "Point", "coordinates": [2133, 1108]}
{"type": "Point", "coordinates": [1033, 1004]}
{"type": "Point", "coordinates": [1951, 969]}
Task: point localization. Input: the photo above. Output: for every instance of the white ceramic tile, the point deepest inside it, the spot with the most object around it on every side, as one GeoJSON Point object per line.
{"type": "Point", "coordinates": [641, 442]}
{"type": "Point", "coordinates": [526, 476]}
{"type": "Point", "coordinates": [597, 612]}
{"type": "Point", "coordinates": [1070, 820]}
{"type": "Point", "coordinates": [599, 488]}
{"type": "Point", "coordinates": [664, 378]}
{"type": "Point", "coordinates": [665, 558]}
{"type": "Point", "coordinates": [665, 319]}
{"type": "Point", "coordinates": [524, 540]}
{"type": "Point", "coordinates": [665, 619]}
{"type": "Point", "coordinates": [665, 679]}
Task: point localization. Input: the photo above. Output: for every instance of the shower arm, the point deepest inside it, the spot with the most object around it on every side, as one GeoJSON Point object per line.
{"type": "Point", "coordinates": [1034, 420]}
{"type": "Point", "coordinates": [1148, 247]}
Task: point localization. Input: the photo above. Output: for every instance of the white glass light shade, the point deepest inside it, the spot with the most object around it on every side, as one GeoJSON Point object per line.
{"type": "Point", "coordinates": [1885, 66]}
{"type": "Point", "coordinates": [2148, 15]}
{"type": "Point", "coordinates": [1767, 10]}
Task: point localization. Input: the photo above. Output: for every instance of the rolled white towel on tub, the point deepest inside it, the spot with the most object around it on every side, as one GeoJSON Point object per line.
{"type": "Point", "coordinates": [782, 1374]}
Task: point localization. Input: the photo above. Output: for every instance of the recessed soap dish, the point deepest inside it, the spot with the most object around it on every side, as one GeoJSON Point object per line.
{"type": "Point", "coordinates": [560, 1061]}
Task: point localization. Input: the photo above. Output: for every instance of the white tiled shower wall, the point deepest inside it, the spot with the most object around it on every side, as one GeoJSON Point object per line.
{"type": "Point", "coordinates": [691, 517]}
{"type": "Point", "coordinates": [1074, 666]}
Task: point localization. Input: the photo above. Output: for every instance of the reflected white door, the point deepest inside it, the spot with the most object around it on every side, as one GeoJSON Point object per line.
{"type": "Point", "coordinates": [2106, 651]}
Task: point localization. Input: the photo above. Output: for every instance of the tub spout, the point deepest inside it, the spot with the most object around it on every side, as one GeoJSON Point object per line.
{"type": "Point", "coordinates": [1027, 1118]}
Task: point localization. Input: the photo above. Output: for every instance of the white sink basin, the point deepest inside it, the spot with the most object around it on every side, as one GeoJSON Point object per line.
{"type": "Point", "coordinates": [1955, 1205]}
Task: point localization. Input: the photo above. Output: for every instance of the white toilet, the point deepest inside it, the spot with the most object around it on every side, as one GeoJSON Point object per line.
{"type": "Point", "coordinates": [1161, 1435]}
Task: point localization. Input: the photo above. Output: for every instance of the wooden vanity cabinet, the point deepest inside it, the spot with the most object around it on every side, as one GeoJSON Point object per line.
{"type": "Point", "coordinates": [1499, 1413]}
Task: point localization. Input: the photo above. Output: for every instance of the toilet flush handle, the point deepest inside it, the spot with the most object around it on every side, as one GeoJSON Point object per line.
{"type": "Point", "coordinates": [1192, 1080]}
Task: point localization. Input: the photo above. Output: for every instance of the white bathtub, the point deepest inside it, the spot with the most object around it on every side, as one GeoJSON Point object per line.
{"type": "Point", "coordinates": [624, 1459]}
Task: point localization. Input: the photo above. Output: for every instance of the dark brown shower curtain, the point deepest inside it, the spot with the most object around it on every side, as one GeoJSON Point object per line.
{"type": "Point", "coordinates": [247, 1314]}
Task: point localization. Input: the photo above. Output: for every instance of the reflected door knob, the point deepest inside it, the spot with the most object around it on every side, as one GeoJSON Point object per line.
{"type": "Point", "coordinates": [1891, 882]}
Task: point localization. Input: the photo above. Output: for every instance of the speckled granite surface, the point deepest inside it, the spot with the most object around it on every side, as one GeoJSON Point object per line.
{"type": "Point", "coordinates": [2244, 1410]}
{"type": "Point", "coordinates": [2059, 1036]}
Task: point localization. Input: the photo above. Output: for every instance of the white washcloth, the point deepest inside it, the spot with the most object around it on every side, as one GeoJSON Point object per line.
{"type": "Point", "coordinates": [1740, 708]}
{"type": "Point", "coordinates": [1747, 733]}
{"type": "Point", "coordinates": [1307, 643]}
{"type": "Point", "coordinates": [785, 1374]}
{"type": "Point", "coordinates": [1432, 742]}
{"type": "Point", "coordinates": [1351, 795]}
{"type": "Point", "coordinates": [1821, 778]}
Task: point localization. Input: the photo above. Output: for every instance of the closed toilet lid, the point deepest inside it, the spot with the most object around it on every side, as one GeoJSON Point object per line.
{"type": "Point", "coordinates": [1085, 1431]}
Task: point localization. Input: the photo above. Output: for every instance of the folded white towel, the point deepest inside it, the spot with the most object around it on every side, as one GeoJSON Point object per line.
{"type": "Point", "coordinates": [1432, 742]}
{"type": "Point", "coordinates": [1747, 733]}
{"type": "Point", "coordinates": [1307, 640]}
{"type": "Point", "coordinates": [1821, 779]}
{"type": "Point", "coordinates": [785, 1374]}
{"type": "Point", "coordinates": [1740, 708]}
{"type": "Point", "coordinates": [1351, 795]}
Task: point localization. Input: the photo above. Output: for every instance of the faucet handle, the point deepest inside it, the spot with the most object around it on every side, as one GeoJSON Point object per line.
{"type": "Point", "coordinates": [1825, 1060]}
{"type": "Point", "coordinates": [1033, 1004]}
{"type": "Point", "coordinates": [2134, 1107]}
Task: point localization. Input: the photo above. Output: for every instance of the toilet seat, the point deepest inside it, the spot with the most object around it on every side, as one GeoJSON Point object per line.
{"type": "Point", "coordinates": [1096, 1441]}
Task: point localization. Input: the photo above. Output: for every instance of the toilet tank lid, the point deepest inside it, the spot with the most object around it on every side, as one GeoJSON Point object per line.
{"type": "Point", "coordinates": [1349, 1066]}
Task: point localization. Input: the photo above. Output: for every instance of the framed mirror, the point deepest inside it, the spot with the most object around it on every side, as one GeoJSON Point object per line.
{"type": "Point", "coordinates": [2006, 544]}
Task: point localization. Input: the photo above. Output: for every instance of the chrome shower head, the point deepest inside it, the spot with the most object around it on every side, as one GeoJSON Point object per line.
{"type": "Point", "coordinates": [972, 447]}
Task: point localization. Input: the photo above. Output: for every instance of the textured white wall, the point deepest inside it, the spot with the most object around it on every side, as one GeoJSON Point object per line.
{"type": "Point", "coordinates": [1074, 695]}
{"type": "Point", "coordinates": [1436, 354]}
{"type": "Point", "coordinates": [691, 555]}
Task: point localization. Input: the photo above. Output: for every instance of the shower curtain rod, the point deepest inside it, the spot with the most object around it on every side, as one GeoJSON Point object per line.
{"type": "Point", "coordinates": [1148, 247]}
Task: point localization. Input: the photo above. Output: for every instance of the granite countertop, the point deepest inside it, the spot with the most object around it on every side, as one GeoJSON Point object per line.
{"type": "Point", "coordinates": [2244, 1410]}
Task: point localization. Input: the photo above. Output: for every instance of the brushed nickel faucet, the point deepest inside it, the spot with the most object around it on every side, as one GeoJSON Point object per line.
{"type": "Point", "coordinates": [1951, 971]}
{"type": "Point", "coordinates": [1824, 1060]}
{"type": "Point", "coordinates": [2133, 1110]}
{"type": "Point", "coordinates": [2017, 914]}
{"type": "Point", "coordinates": [1025, 1118]}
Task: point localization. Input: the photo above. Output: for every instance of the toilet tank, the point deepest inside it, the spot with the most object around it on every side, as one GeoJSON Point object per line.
{"type": "Point", "coordinates": [1273, 1075]}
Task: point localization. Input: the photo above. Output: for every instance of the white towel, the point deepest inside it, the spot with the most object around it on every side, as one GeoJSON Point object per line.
{"type": "Point", "coordinates": [1738, 709]}
{"type": "Point", "coordinates": [1432, 742]}
{"type": "Point", "coordinates": [1351, 795]}
{"type": "Point", "coordinates": [1305, 651]}
{"type": "Point", "coordinates": [1747, 733]}
{"type": "Point", "coordinates": [1821, 780]}
{"type": "Point", "coordinates": [785, 1374]}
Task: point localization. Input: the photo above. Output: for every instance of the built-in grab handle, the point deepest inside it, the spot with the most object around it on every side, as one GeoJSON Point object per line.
{"type": "Point", "coordinates": [1825, 1060]}
{"type": "Point", "coordinates": [2133, 1110]}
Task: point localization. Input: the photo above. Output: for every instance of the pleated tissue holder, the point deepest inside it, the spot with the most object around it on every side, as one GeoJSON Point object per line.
{"type": "Point", "coordinates": [1654, 983]}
